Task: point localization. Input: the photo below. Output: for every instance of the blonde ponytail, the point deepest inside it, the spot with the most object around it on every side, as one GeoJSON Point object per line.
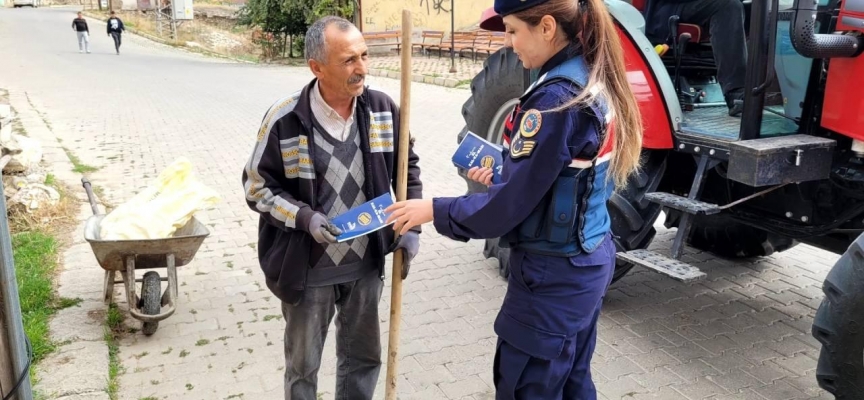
{"type": "Point", "coordinates": [588, 24]}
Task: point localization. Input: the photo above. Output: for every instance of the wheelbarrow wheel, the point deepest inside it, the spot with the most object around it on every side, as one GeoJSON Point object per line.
{"type": "Point", "coordinates": [151, 299]}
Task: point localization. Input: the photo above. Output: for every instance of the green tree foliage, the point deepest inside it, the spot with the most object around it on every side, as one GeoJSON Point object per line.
{"type": "Point", "coordinates": [280, 19]}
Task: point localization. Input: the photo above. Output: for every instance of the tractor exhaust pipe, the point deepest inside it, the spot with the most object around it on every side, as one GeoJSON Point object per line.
{"type": "Point", "coordinates": [810, 44]}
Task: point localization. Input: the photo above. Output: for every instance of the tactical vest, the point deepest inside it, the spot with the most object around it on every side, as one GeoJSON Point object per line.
{"type": "Point", "coordinates": [572, 217]}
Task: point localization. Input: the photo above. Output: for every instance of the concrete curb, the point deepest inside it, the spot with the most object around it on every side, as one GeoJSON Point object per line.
{"type": "Point", "coordinates": [79, 366]}
{"type": "Point", "coordinates": [432, 80]}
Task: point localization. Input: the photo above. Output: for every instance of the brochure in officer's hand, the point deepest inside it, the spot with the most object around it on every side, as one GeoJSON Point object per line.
{"type": "Point", "coordinates": [475, 151]}
{"type": "Point", "coordinates": [363, 219]}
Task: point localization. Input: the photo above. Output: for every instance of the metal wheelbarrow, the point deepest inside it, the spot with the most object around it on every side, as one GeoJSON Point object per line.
{"type": "Point", "coordinates": [126, 256]}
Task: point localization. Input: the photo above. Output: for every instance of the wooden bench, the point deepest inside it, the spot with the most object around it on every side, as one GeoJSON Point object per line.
{"type": "Point", "coordinates": [430, 39]}
{"type": "Point", "coordinates": [461, 41]}
{"type": "Point", "coordinates": [493, 41]}
{"type": "Point", "coordinates": [384, 39]}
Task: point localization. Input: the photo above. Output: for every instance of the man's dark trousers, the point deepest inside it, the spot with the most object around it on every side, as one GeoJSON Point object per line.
{"type": "Point", "coordinates": [725, 22]}
{"type": "Point", "coordinates": [358, 346]}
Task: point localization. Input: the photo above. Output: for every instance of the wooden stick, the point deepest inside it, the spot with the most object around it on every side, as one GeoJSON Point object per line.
{"type": "Point", "coordinates": [401, 194]}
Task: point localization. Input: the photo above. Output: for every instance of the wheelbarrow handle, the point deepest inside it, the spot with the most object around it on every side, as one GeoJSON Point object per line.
{"type": "Point", "coordinates": [90, 196]}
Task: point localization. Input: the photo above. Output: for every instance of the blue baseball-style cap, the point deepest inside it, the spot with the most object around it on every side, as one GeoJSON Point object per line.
{"type": "Point", "coordinates": [491, 20]}
{"type": "Point", "coordinates": [505, 7]}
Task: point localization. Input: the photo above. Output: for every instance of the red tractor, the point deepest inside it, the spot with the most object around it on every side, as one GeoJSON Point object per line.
{"type": "Point", "coordinates": [790, 170]}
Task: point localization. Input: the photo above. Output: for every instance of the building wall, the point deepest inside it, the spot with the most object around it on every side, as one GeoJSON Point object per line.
{"type": "Point", "coordinates": [383, 15]}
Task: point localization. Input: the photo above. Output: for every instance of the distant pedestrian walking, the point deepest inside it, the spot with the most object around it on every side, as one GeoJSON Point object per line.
{"type": "Point", "coordinates": [115, 29]}
{"type": "Point", "coordinates": [79, 25]}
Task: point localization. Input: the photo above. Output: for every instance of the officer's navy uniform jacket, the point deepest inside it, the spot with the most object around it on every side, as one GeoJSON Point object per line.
{"type": "Point", "coordinates": [550, 209]}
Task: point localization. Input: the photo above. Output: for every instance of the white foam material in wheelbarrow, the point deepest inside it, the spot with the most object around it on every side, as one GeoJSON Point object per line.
{"type": "Point", "coordinates": [167, 204]}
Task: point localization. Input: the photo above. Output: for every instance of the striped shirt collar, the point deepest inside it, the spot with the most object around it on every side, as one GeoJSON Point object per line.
{"type": "Point", "coordinates": [333, 123]}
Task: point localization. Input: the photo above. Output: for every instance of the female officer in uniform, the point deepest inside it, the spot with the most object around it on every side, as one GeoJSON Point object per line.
{"type": "Point", "coordinates": [561, 167]}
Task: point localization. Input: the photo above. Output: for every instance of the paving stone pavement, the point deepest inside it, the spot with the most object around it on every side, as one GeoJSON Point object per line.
{"type": "Point", "coordinates": [743, 333]}
{"type": "Point", "coordinates": [428, 68]}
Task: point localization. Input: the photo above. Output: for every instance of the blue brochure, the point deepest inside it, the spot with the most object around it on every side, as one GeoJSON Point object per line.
{"type": "Point", "coordinates": [363, 219]}
{"type": "Point", "coordinates": [475, 151]}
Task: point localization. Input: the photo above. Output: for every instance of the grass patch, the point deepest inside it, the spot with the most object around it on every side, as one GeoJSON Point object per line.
{"type": "Point", "coordinates": [78, 166]}
{"type": "Point", "coordinates": [114, 330]}
{"type": "Point", "coordinates": [35, 256]}
{"type": "Point", "coordinates": [248, 57]}
{"type": "Point", "coordinates": [66, 302]}
{"type": "Point", "coordinates": [35, 248]}
{"type": "Point", "coordinates": [202, 342]}
{"type": "Point", "coordinates": [463, 82]}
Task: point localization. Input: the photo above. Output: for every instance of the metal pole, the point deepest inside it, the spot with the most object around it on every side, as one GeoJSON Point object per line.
{"type": "Point", "coordinates": [173, 19]}
{"type": "Point", "coordinates": [757, 59]}
{"type": "Point", "coordinates": [159, 17]}
{"type": "Point", "coordinates": [452, 40]}
{"type": "Point", "coordinates": [12, 307]}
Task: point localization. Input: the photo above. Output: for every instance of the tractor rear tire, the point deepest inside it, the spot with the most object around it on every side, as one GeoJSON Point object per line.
{"type": "Point", "coordinates": [632, 215]}
{"type": "Point", "coordinates": [839, 326]}
{"type": "Point", "coordinates": [494, 93]}
{"type": "Point", "coordinates": [722, 235]}
{"type": "Point", "coordinates": [727, 238]}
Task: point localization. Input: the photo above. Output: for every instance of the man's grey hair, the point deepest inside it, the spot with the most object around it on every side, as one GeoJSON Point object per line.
{"type": "Point", "coordinates": [315, 48]}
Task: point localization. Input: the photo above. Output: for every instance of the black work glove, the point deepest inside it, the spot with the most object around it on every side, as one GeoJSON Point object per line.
{"type": "Point", "coordinates": [322, 230]}
{"type": "Point", "coordinates": [410, 244]}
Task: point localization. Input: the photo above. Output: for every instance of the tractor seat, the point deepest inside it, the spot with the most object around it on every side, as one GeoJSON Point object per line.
{"type": "Point", "coordinates": [695, 32]}
{"type": "Point", "coordinates": [698, 54]}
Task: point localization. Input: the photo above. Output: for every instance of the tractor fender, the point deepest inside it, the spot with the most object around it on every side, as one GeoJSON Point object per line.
{"type": "Point", "coordinates": [651, 84]}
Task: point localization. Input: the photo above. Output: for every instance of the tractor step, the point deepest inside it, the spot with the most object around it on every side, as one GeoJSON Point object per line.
{"type": "Point", "coordinates": [689, 206]}
{"type": "Point", "coordinates": [675, 269]}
